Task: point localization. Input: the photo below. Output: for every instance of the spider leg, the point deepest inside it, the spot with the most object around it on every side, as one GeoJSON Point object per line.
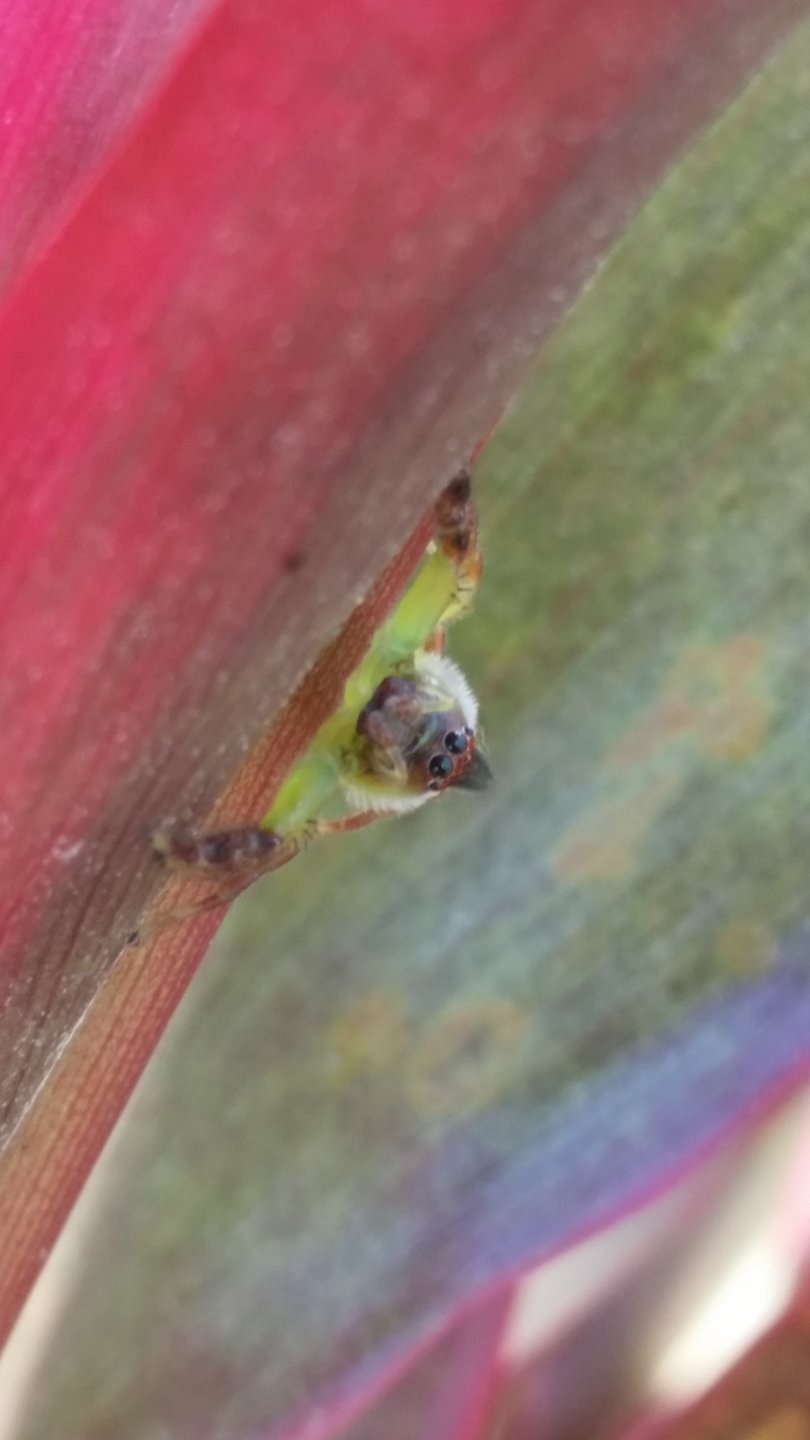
{"type": "Point", "coordinates": [246, 850]}
{"type": "Point", "coordinates": [231, 859]}
{"type": "Point", "coordinates": [437, 642]}
{"type": "Point", "coordinates": [352, 822]}
{"type": "Point", "coordinates": [444, 587]}
{"type": "Point", "coordinates": [457, 539]}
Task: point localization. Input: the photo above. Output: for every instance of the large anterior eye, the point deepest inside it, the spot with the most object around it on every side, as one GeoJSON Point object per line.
{"type": "Point", "coordinates": [456, 742]}
{"type": "Point", "coordinates": [440, 766]}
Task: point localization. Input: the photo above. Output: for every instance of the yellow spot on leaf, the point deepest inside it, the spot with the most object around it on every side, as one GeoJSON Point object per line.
{"type": "Point", "coordinates": [466, 1058]}
{"type": "Point", "coordinates": [714, 696]}
{"type": "Point", "coordinates": [371, 1036]}
{"type": "Point", "coordinates": [604, 844]}
{"type": "Point", "coordinates": [744, 948]}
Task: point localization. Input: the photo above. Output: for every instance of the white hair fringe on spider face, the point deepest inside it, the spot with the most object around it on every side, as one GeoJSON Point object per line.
{"type": "Point", "coordinates": [448, 679]}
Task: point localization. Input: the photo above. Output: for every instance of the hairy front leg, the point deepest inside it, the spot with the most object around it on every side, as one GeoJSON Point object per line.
{"type": "Point", "coordinates": [221, 852]}
{"type": "Point", "coordinates": [230, 859]}
{"type": "Point", "coordinates": [444, 586]}
{"type": "Point", "coordinates": [457, 538]}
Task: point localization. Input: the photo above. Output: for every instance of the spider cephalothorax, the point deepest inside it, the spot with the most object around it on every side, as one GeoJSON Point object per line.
{"type": "Point", "coordinates": [417, 737]}
{"type": "Point", "coordinates": [407, 729]}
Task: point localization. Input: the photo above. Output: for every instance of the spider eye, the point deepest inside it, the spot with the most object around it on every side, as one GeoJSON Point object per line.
{"type": "Point", "coordinates": [456, 742]}
{"type": "Point", "coordinates": [440, 766]}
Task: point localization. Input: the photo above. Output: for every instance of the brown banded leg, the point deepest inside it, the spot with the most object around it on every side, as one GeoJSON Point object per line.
{"type": "Point", "coordinates": [457, 537]}
{"type": "Point", "coordinates": [222, 852]}
{"type": "Point", "coordinates": [231, 859]}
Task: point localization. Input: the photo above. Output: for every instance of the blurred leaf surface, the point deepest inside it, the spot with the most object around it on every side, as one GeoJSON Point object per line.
{"type": "Point", "coordinates": [73, 75]}
{"type": "Point", "coordinates": [423, 1057]}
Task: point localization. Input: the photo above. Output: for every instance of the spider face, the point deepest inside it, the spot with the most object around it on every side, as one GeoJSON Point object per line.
{"type": "Point", "coordinates": [418, 733]}
{"type": "Point", "coordinates": [451, 759]}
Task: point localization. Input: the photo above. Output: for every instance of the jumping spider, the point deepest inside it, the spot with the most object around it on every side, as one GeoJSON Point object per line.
{"type": "Point", "coordinates": [407, 729]}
